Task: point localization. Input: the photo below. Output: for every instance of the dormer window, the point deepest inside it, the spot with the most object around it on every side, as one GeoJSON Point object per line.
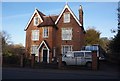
{"type": "Point", "coordinates": [66, 17]}
{"type": "Point", "coordinates": [36, 21]}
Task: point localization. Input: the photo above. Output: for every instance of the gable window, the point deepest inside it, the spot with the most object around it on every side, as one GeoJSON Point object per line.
{"type": "Point", "coordinates": [66, 33]}
{"type": "Point", "coordinates": [66, 17]}
{"type": "Point", "coordinates": [34, 49]}
{"type": "Point", "coordinates": [66, 48]}
{"type": "Point", "coordinates": [35, 35]}
{"type": "Point", "coordinates": [36, 21]}
{"type": "Point", "coordinates": [45, 32]}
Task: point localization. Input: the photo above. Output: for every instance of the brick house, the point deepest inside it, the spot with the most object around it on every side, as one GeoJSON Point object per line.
{"type": "Point", "coordinates": [49, 36]}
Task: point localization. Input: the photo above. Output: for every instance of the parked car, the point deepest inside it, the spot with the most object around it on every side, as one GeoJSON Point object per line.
{"type": "Point", "coordinates": [77, 58]}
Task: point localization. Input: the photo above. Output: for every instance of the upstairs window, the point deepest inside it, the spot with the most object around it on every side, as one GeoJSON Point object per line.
{"type": "Point", "coordinates": [35, 35]}
{"type": "Point", "coordinates": [66, 17]}
{"type": "Point", "coordinates": [34, 49]}
{"type": "Point", "coordinates": [36, 21]}
{"type": "Point", "coordinates": [66, 33]}
{"type": "Point", "coordinates": [45, 32]}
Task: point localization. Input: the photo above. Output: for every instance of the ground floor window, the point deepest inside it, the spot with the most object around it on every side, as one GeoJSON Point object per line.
{"type": "Point", "coordinates": [66, 48]}
{"type": "Point", "coordinates": [34, 49]}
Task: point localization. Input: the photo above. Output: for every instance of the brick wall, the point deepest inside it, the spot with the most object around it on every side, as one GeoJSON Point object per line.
{"type": "Point", "coordinates": [78, 35]}
{"type": "Point", "coordinates": [54, 39]}
{"type": "Point", "coordinates": [29, 41]}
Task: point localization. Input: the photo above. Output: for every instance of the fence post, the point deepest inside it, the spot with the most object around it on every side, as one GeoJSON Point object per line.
{"type": "Point", "coordinates": [32, 60]}
{"type": "Point", "coordinates": [94, 60]}
{"type": "Point", "coordinates": [22, 60]}
{"type": "Point", "coordinates": [60, 61]}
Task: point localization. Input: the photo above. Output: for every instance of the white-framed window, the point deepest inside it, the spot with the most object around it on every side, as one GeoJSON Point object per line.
{"type": "Point", "coordinates": [35, 35]}
{"type": "Point", "coordinates": [34, 49]}
{"type": "Point", "coordinates": [66, 17]}
{"type": "Point", "coordinates": [66, 48]}
{"type": "Point", "coordinates": [66, 33]}
{"type": "Point", "coordinates": [36, 21]}
{"type": "Point", "coordinates": [45, 32]}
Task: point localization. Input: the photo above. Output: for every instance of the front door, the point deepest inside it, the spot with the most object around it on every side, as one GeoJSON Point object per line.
{"type": "Point", "coordinates": [45, 55]}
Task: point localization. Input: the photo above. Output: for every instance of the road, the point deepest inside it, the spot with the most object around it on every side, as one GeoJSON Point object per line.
{"type": "Point", "coordinates": [29, 73]}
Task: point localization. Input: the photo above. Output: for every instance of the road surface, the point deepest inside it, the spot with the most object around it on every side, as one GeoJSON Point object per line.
{"type": "Point", "coordinates": [29, 73]}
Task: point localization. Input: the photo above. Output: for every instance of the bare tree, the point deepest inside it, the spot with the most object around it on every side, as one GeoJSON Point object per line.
{"type": "Point", "coordinates": [5, 40]}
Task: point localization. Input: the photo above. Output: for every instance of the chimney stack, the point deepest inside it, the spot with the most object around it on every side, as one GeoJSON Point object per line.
{"type": "Point", "coordinates": [81, 15]}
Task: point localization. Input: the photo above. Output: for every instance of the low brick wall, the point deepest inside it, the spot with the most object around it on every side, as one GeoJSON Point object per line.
{"type": "Point", "coordinates": [95, 61]}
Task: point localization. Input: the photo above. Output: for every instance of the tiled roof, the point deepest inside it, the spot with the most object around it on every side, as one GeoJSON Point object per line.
{"type": "Point", "coordinates": [48, 21]}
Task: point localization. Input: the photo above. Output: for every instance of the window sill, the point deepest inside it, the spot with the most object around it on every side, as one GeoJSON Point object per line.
{"type": "Point", "coordinates": [35, 24]}
{"type": "Point", "coordinates": [35, 40]}
{"type": "Point", "coordinates": [66, 22]}
{"type": "Point", "coordinates": [45, 37]}
{"type": "Point", "coordinates": [66, 40]}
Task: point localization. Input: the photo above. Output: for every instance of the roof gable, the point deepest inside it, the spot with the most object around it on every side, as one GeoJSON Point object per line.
{"type": "Point", "coordinates": [66, 6]}
{"type": "Point", "coordinates": [46, 45]}
{"type": "Point", "coordinates": [39, 15]}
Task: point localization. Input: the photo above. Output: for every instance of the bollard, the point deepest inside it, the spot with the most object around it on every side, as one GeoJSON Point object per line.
{"type": "Point", "coordinates": [22, 60]}
{"type": "Point", "coordinates": [60, 61]}
{"type": "Point", "coordinates": [94, 60]}
{"type": "Point", "coordinates": [32, 60]}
